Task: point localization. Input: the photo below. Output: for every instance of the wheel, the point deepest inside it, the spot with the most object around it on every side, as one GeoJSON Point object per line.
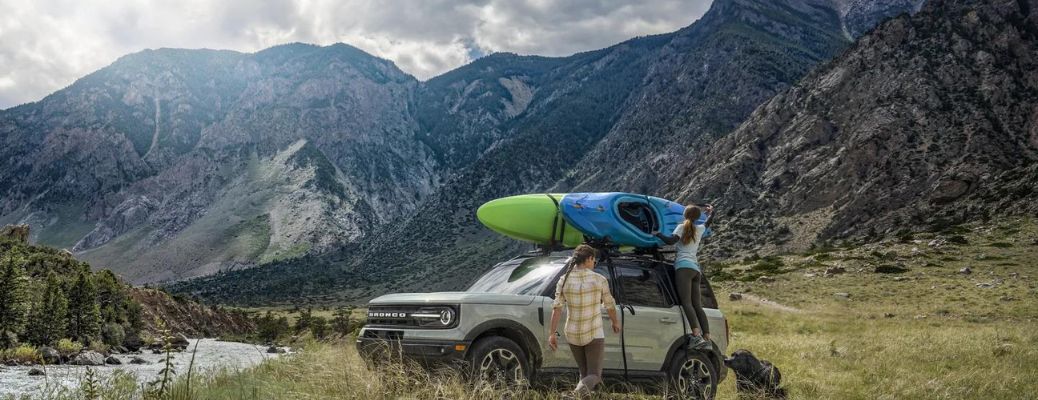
{"type": "Point", "coordinates": [497, 359]}
{"type": "Point", "coordinates": [693, 376]}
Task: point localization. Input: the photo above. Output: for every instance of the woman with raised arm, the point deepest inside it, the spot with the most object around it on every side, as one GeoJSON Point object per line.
{"type": "Point", "coordinates": [583, 292]}
{"type": "Point", "coordinates": [686, 239]}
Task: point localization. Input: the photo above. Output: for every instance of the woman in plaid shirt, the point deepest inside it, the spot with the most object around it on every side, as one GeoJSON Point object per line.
{"type": "Point", "coordinates": [583, 292]}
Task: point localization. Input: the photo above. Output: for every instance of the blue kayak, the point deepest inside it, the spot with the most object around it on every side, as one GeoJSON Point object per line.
{"type": "Point", "coordinates": [624, 219]}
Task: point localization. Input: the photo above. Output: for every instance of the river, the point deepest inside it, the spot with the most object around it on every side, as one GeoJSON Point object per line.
{"type": "Point", "coordinates": [212, 355]}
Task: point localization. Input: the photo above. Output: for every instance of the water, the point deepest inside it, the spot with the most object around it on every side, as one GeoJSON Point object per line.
{"type": "Point", "coordinates": [212, 354]}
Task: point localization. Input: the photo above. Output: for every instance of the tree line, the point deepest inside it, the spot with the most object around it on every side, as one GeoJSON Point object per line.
{"type": "Point", "coordinates": [47, 295]}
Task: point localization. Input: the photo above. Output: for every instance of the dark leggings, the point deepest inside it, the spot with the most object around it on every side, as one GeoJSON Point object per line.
{"type": "Point", "coordinates": [692, 298]}
{"type": "Point", "coordinates": [589, 361]}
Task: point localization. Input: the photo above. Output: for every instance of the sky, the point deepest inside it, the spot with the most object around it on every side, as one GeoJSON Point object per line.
{"type": "Point", "coordinates": [46, 45]}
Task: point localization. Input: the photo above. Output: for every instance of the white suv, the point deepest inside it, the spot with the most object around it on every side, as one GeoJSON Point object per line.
{"type": "Point", "coordinates": [498, 327]}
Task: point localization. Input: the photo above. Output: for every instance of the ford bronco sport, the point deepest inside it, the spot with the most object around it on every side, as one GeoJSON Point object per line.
{"type": "Point", "coordinates": [497, 328]}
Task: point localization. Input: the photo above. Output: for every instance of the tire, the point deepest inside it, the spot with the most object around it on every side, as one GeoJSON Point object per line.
{"type": "Point", "coordinates": [499, 360]}
{"type": "Point", "coordinates": [693, 376]}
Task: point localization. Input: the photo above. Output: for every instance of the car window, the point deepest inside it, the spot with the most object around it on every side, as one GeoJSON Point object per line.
{"type": "Point", "coordinates": [600, 268]}
{"type": "Point", "coordinates": [641, 287]}
{"type": "Point", "coordinates": [528, 276]}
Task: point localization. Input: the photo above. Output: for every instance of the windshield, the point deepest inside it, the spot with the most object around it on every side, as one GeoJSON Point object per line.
{"type": "Point", "coordinates": [527, 276]}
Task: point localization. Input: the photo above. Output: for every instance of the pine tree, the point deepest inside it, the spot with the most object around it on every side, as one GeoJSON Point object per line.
{"type": "Point", "coordinates": [84, 314]}
{"type": "Point", "coordinates": [47, 324]}
{"type": "Point", "coordinates": [13, 300]}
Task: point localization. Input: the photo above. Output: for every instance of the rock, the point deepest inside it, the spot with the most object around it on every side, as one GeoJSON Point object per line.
{"type": "Point", "coordinates": [965, 271]}
{"type": "Point", "coordinates": [842, 295]}
{"type": "Point", "coordinates": [765, 279]}
{"type": "Point", "coordinates": [920, 316]}
{"type": "Point", "coordinates": [276, 350]}
{"type": "Point", "coordinates": [900, 278]}
{"type": "Point", "coordinates": [36, 372]}
{"type": "Point", "coordinates": [834, 271]}
{"type": "Point", "coordinates": [889, 269]}
{"type": "Point", "coordinates": [113, 360]}
{"type": "Point", "coordinates": [133, 342]}
{"type": "Point", "coordinates": [138, 361]}
{"type": "Point", "coordinates": [1015, 275]}
{"type": "Point", "coordinates": [19, 233]}
{"type": "Point", "coordinates": [810, 275]}
{"type": "Point", "coordinates": [937, 243]}
{"type": "Point", "coordinates": [180, 341]}
{"type": "Point", "coordinates": [1006, 298]}
{"type": "Point", "coordinates": [156, 351]}
{"type": "Point", "coordinates": [89, 357]}
{"type": "Point", "coordinates": [735, 296]}
{"type": "Point", "coordinates": [985, 285]}
{"type": "Point", "coordinates": [888, 315]}
{"type": "Point", "coordinates": [49, 355]}
{"type": "Point", "coordinates": [11, 363]}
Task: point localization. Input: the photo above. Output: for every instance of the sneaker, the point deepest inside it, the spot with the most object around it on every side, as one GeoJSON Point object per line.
{"type": "Point", "coordinates": [697, 343]}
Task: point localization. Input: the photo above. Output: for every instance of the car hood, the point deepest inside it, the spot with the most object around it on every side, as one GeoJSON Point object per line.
{"type": "Point", "coordinates": [453, 298]}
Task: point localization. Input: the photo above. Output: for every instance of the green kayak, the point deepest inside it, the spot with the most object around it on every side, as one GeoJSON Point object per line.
{"type": "Point", "coordinates": [529, 217]}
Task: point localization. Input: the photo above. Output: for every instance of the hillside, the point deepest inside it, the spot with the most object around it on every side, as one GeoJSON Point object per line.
{"type": "Point", "coordinates": [47, 295]}
{"type": "Point", "coordinates": [928, 121]}
{"type": "Point", "coordinates": [834, 326]}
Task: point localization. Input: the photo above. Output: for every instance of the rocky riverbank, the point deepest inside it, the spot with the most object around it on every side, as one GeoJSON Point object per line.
{"type": "Point", "coordinates": [210, 355]}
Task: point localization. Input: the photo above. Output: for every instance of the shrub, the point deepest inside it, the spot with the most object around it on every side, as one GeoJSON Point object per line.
{"type": "Point", "coordinates": [98, 346]}
{"type": "Point", "coordinates": [112, 334]}
{"type": "Point", "coordinates": [23, 354]}
{"type": "Point", "coordinates": [68, 347]}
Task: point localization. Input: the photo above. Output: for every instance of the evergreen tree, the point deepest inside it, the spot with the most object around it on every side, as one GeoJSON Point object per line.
{"type": "Point", "coordinates": [13, 300]}
{"type": "Point", "coordinates": [84, 313]}
{"type": "Point", "coordinates": [47, 324]}
{"type": "Point", "coordinates": [111, 297]}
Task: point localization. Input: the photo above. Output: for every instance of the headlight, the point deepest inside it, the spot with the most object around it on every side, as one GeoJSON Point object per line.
{"type": "Point", "coordinates": [435, 317]}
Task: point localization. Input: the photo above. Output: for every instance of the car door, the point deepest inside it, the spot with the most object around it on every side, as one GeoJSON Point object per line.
{"type": "Point", "coordinates": [655, 323]}
{"type": "Point", "coordinates": [562, 358]}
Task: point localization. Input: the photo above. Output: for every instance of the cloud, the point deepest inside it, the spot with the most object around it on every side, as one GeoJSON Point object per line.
{"type": "Point", "coordinates": [47, 44]}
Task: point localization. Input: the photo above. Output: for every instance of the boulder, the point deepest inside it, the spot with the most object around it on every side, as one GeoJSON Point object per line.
{"type": "Point", "coordinates": [842, 295]}
{"type": "Point", "coordinates": [50, 355]}
{"type": "Point", "coordinates": [965, 271]}
{"type": "Point", "coordinates": [138, 361]}
{"type": "Point", "coordinates": [890, 269]}
{"type": "Point", "coordinates": [113, 360]}
{"type": "Point", "coordinates": [834, 271]}
{"type": "Point", "coordinates": [180, 342]}
{"type": "Point", "coordinates": [89, 357]}
{"type": "Point", "coordinates": [276, 350]}
{"type": "Point", "coordinates": [765, 279]}
{"type": "Point", "coordinates": [36, 372]}
{"type": "Point", "coordinates": [734, 296]}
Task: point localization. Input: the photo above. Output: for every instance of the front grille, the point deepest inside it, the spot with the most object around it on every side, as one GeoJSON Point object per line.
{"type": "Point", "coordinates": [408, 316]}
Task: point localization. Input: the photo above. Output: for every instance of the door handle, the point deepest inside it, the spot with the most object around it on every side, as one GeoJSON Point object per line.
{"type": "Point", "coordinates": [667, 320]}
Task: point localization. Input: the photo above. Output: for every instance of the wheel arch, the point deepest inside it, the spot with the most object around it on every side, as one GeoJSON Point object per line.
{"type": "Point", "coordinates": [513, 331]}
{"type": "Point", "coordinates": [713, 353]}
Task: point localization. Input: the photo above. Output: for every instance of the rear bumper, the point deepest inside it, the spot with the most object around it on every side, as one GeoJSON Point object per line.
{"type": "Point", "coordinates": [373, 345]}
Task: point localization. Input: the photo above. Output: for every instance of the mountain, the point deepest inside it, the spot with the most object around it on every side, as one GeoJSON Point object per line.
{"type": "Point", "coordinates": [326, 172]}
{"type": "Point", "coordinates": [927, 121]}
{"type": "Point", "coordinates": [612, 119]}
{"type": "Point", "coordinates": [170, 164]}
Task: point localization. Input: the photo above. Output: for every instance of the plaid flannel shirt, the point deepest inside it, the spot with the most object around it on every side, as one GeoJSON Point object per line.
{"type": "Point", "coordinates": [584, 295]}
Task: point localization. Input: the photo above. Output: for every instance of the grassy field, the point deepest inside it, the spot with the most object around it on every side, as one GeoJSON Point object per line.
{"type": "Point", "coordinates": [923, 330]}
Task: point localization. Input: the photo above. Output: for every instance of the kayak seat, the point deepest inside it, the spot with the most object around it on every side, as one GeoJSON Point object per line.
{"type": "Point", "coordinates": [639, 215]}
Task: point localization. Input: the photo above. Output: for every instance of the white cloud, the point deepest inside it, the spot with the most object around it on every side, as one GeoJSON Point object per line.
{"type": "Point", "coordinates": [47, 44]}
